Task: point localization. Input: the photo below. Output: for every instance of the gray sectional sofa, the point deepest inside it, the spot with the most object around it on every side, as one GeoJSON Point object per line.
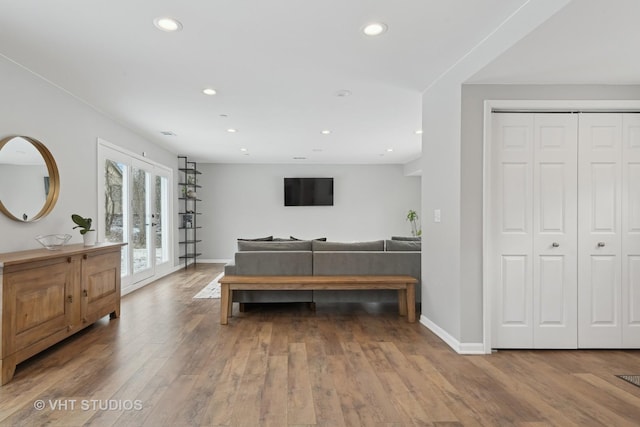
{"type": "Point", "coordinates": [315, 257]}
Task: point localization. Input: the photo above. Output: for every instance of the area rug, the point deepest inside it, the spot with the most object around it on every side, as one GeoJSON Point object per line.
{"type": "Point", "coordinates": [212, 290]}
{"type": "Point", "coordinates": [633, 379]}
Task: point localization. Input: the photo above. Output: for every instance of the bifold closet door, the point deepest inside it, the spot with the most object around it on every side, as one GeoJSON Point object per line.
{"type": "Point", "coordinates": [609, 230]}
{"type": "Point", "coordinates": [631, 230]}
{"type": "Point", "coordinates": [533, 265]}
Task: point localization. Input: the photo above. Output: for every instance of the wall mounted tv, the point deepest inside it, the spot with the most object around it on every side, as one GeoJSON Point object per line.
{"type": "Point", "coordinates": [308, 191]}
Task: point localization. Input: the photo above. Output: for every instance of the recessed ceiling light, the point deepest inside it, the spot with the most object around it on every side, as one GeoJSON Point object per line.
{"type": "Point", "coordinates": [389, 150]}
{"type": "Point", "coordinates": [167, 133]}
{"type": "Point", "coordinates": [419, 132]}
{"type": "Point", "coordinates": [326, 132]}
{"type": "Point", "coordinates": [167, 24]}
{"type": "Point", "coordinates": [299, 158]}
{"type": "Point", "coordinates": [224, 116]}
{"type": "Point", "coordinates": [343, 93]}
{"type": "Point", "coordinates": [374, 29]}
{"type": "Point", "coordinates": [243, 149]}
{"type": "Point", "coordinates": [231, 130]}
{"type": "Point", "coordinates": [209, 91]}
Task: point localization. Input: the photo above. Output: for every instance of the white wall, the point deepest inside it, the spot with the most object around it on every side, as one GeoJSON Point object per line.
{"type": "Point", "coordinates": [245, 201]}
{"type": "Point", "coordinates": [443, 294]}
{"type": "Point", "coordinates": [69, 128]}
{"type": "Point", "coordinates": [441, 191]}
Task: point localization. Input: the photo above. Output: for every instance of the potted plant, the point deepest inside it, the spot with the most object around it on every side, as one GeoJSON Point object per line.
{"type": "Point", "coordinates": [412, 217]}
{"type": "Point", "coordinates": [84, 224]}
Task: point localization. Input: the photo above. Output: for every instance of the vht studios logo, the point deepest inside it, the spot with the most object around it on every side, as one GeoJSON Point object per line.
{"type": "Point", "coordinates": [88, 405]}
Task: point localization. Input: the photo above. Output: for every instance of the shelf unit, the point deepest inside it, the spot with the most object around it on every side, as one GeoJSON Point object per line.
{"type": "Point", "coordinates": [188, 210]}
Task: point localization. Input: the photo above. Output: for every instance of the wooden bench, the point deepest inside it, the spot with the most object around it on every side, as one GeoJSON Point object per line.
{"type": "Point", "coordinates": [404, 284]}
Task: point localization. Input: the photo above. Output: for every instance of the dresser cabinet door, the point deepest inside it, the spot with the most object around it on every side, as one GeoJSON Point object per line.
{"type": "Point", "coordinates": [38, 303]}
{"type": "Point", "coordinates": [100, 286]}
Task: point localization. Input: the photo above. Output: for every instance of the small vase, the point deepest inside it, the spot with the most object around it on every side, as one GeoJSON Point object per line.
{"type": "Point", "coordinates": [89, 238]}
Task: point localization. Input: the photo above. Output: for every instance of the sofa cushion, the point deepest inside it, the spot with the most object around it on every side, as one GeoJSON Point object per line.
{"type": "Point", "coordinates": [365, 262]}
{"type": "Point", "coordinates": [376, 245]}
{"type": "Point", "coordinates": [407, 238]}
{"type": "Point", "coordinates": [258, 239]}
{"type": "Point", "coordinates": [403, 245]}
{"type": "Point", "coordinates": [274, 263]}
{"type": "Point", "coordinates": [301, 245]}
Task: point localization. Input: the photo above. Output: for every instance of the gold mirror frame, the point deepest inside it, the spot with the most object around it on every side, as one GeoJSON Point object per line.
{"type": "Point", "coordinates": [54, 179]}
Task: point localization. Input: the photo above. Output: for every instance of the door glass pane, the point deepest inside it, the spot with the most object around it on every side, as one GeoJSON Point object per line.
{"type": "Point", "coordinates": [139, 215]}
{"type": "Point", "coordinates": [116, 214]}
{"type": "Point", "coordinates": [161, 215]}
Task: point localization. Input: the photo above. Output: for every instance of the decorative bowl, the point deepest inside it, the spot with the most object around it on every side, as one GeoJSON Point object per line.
{"type": "Point", "coordinates": [53, 242]}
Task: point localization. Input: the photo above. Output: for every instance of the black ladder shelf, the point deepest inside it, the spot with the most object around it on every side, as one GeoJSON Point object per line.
{"type": "Point", "coordinates": [188, 211]}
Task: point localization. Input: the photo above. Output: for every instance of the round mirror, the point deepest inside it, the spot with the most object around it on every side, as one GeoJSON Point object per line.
{"type": "Point", "coordinates": [29, 181]}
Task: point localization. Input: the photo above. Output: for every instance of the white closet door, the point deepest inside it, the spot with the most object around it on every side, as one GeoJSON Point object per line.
{"type": "Point", "coordinates": [533, 230]}
{"type": "Point", "coordinates": [600, 215]}
{"type": "Point", "coordinates": [511, 228]}
{"type": "Point", "coordinates": [631, 231]}
{"type": "Point", "coordinates": [555, 275]}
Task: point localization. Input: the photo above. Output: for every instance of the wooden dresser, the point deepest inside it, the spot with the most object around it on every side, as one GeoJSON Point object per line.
{"type": "Point", "coordinates": [50, 295]}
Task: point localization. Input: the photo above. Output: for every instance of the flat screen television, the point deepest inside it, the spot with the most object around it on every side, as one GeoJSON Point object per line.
{"type": "Point", "coordinates": [308, 191]}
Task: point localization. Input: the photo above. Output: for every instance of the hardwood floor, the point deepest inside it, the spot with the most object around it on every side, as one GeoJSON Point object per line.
{"type": "Point", "coordinates": [168, 361]}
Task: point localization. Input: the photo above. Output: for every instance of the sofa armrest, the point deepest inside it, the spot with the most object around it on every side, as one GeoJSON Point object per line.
{"type": "Point", "coordinates": [230, 269]}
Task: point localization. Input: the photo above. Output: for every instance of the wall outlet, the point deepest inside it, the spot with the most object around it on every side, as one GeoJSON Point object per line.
{"type": "Point", "coordinates": [436, 215]}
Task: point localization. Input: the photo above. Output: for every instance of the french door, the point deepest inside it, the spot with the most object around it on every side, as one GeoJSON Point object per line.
{"type": "Point", "coordinates": [135, 209]}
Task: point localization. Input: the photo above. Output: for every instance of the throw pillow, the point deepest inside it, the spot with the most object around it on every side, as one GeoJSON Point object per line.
{"type": "Point", "coordinates": [258, 239]}
{"type": "Point", "coordinates": [403, 245]}
{"type": "Point", "coordinates": [320, 239]}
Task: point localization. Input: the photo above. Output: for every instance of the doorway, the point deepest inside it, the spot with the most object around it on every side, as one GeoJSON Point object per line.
{"type": "Point", "coordinates": [135, 208]}
{"type": "Point", "coordinates": [556, 280]}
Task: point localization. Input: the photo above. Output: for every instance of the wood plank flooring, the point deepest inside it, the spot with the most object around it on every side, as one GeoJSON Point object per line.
{"type": "Point", "coordinates": [168, 362]}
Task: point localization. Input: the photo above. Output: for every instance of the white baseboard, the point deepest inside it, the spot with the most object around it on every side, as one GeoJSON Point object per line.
{"type": "Point", "coordinates": [460, 348]}
{"type": "Point", "coordinates": [214, 261]}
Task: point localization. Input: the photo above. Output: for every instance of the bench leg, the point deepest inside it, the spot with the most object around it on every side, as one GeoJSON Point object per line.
{"type": "Point", "coordinates": [402, 302]}
{"type": "Point", "coordinates": [225, 298]}
{"type": "Point", "coordinates": [411, 302]}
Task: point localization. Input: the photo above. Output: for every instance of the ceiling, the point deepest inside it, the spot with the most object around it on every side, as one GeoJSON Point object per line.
{"type": "Point", "coordinates": [587, 42]}
{"type": "Point", "coordinates": [279, 67]}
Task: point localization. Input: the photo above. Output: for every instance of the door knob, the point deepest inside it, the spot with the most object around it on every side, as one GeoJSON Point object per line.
{"type": "Point", "coordinates": [555, 244]}
{"type": "Point", "coordinates": [601, 244]}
